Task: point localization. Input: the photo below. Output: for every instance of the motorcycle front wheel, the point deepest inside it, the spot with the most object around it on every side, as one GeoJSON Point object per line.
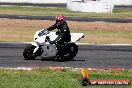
{"type": "Point", "coordinates": [28, 52]}
{"type": "Point", "coordinates": [69, 51]}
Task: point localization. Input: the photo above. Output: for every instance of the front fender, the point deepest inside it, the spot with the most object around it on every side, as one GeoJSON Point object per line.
{"type": "Point", "coordinates": [37, 46]}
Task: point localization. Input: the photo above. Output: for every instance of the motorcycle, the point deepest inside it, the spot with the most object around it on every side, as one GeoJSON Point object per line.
{"type": "Point", "coordinates": [42, 47]}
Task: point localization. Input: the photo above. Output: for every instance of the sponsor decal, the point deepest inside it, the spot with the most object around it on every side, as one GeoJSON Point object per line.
{"type": "Point", "coordinates": [84, 81]}
{"type": "Point", "coordinates": [110, 82]}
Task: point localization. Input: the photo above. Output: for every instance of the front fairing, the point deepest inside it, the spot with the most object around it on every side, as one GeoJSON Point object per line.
{"type": "Point", "coordinates": [40, 38]}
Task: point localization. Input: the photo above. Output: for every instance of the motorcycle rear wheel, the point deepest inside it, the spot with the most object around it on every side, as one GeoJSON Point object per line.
{"type": "Point", "coordinates": [69, 51]}
{"type": "Point", "coordinates": [28, 52]}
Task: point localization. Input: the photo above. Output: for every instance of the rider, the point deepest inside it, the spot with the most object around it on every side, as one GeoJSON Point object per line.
{"type": "Point", "coordinates": [63, 30]}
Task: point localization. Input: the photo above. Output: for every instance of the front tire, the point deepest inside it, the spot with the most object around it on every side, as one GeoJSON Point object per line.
{"type": "Point", "coordinates": [28, 52]}
{"type": "Point", "coordinates": [68, 52]}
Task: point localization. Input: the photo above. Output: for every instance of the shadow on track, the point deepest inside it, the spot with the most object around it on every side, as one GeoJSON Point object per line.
{"type": "Point", "coordinates": [55, 60]}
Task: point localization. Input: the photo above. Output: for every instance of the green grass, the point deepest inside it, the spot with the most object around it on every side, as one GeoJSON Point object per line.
{"type": "Point", "coordinates": [45, 78]}
{"type": "Point", "coordinates": [55, 11]}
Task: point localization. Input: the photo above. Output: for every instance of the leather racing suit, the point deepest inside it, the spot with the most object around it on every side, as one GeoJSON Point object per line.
{"type": "Point", "coordinates": [63, 33]}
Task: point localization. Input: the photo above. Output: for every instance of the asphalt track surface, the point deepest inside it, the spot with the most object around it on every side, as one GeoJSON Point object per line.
{"type": "Point", "coordinates": [99, 56]}
{"type": "Point", "coordinates": [61, 5]}
{"type": "Point", "coordinates": [80, 19]}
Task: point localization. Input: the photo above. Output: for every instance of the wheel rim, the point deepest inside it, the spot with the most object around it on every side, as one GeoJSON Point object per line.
{"type": "Point", "coordinates": [70, 50]}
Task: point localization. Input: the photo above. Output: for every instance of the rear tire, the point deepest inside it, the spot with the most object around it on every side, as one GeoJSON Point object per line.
{"type": "Point", "coordinates": [68, 52]}
{"type": "Point", "coordinates": [28, 52]}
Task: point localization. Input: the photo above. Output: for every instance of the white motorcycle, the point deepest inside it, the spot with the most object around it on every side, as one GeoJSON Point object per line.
{"type": "Point", "coordinates": [41, 46]}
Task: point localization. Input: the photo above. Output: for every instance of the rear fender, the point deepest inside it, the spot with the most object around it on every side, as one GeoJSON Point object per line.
{"type": "Point", "coordinates": [76, 36]}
